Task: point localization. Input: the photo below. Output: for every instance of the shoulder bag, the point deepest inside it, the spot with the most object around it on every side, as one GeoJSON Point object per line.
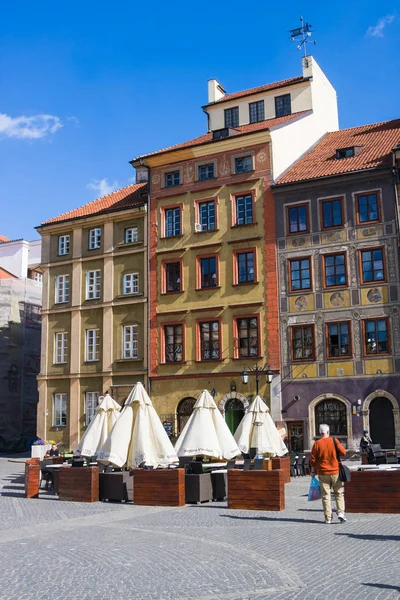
{"type": "Point", "coordinates": [344, 472]}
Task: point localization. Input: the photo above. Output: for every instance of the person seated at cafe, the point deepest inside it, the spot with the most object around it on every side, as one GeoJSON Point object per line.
{"type": "Point", "coordinates": [365, 441]}
{"type": "Point", "coordinates": [53, 451]}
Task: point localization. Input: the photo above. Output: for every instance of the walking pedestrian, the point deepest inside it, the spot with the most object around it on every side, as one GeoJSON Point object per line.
{"type": "Point", "coordinates": [324, 462]}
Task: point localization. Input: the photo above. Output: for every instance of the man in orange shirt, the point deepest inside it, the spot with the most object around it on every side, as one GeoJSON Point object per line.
{"type": "Point", "coordinates": [324, 462]}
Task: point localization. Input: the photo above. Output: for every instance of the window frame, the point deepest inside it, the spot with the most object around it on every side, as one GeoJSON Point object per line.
{"type": "Point", "coordinates": [164, 211]}
{"type": "Point", "coordinates": [92, 350]}
{"type": "Point", "coordinates": [197, 212]}
{"type": "Point", "coordinates": [91, 397]}
{"type": "Point", "coordinates": [60, 356]}
{"type": "Point", "coordinates": [290, 280]}
{"type": "Point", "coordinates": [243, 157]}
{"type": "Point", "coordinates": [173, 174]}
{"type": "Point", "coordinates": [235, 254]}
{"type": "Point", "coordinates": [135, 283]}
{"type": "Point", "coordinates": [164, 265]}
{"type": "Point", "coordinates": [94, 238]}
{"type": "Point", "coordinates": [234, 199]}
{"type": "Point", "coordinates": [65, 289]}
{"type": "Point", "coordinates": [388, 337]}
{"type": "Point", "coordinates": [236, 349]}
{"type": "Point", "coordinates": [129, 229]}
{"type": "Point", "coordinates": [164, 343]}
{"type": "Point", "coordinates": [199, 323]}
{"type": "Point", "coordinates": [92, 289]}
{"type": "Point", "coordinates": [229, 111]}
{"type": "Point", "coordinates": [64, 240]}
{"type": "Point", "coordinates": [130, 352]}
{"type": "Point", "coordinates": [257, 104]}
{"type": "Point", "coordinates": [199, 277]}
{"type": "Point", "coordinates": [285, 114]}
{"type": "Point", "coordinates": [302, 359]}
{"type": "Point", "coordinates": [373, 282]}
{"type": "Point", "coordinates": [327, 339]}
{"type": "Point", "coordinates": [62, 410]}
{"type": "Point", "coordinates": [357, 197]}
{"type": "Point", "coordinates": [322, 202]}
{"type": "Point", "coordinates": [336, 286]}
{"type": "Point", "coordinates": [289, 207]}
{"type": "Point", "coordinates": [207, 167]}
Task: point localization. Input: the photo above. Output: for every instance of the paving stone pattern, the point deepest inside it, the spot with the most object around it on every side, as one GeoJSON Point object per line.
{"type": "Point", "coordinates": [64, 550]}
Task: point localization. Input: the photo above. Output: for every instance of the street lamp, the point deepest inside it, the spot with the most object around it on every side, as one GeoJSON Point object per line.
{"type": "Point", "coordinates": [269, 374]}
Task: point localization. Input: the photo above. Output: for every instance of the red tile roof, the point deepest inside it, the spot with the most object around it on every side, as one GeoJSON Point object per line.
{"type": "Point", "coordinates": [130, 196]}
{"type": "Point", "coordinates": [4, 274]}
{"type": "Point", "coordinates": [261, 88]}
{"type": "Point", "coordinates": [208, 137]}
{"type": "Point", "coordinates": [376, 142]}
{"type": "Point", "coordinates": [3, 239]}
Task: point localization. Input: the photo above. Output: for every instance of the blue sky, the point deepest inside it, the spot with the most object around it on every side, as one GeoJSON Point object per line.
{"type": "Point", "coordinates": [86, 86]}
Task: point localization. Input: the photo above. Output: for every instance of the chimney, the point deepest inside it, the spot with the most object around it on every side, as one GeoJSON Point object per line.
{"type": "Point", "coordinates": [215, 91]}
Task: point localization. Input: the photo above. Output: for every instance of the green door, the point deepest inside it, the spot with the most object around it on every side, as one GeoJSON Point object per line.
{"type": "Point", "coordinates": [234, 412]}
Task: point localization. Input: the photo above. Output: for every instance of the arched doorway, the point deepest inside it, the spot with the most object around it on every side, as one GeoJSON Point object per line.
{"type": "Point", "coordinates": [185, 409]}
{"type": "Point", "coordinates": [381, 422]}
{"type": "Point", "coordinates": [333, 413]}
{"type": "Point", "coordinates": [234, 412]}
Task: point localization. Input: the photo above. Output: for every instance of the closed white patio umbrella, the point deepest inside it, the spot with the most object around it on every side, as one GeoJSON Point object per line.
{"type": "Point", "coordinates": [138, 436]}
{"type": "Point", "coordinates": [206, 432]}
{"type": "Point", "coordinates": [99, 428]}
{"type": "Point", "coordinates": [257, 430]}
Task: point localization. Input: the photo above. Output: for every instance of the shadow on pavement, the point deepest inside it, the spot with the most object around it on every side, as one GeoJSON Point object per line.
{"type": "Point", "coordinates": [383, 586]}
{"type": "Point", "coordinates": [372, 537]}
{"type": "Point", "coordinates": [288, 520]}
{"type": "Point", "coordinates": [14, 494]}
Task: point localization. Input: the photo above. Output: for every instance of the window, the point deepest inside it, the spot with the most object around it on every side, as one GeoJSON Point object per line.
{"type": "Point", "coordinates": [173, 277]}
{"type": "Point", "coordinates": [62, 288]}
{"type": "Point", "coordinates": [91, 403]}
{"type": "Point", "coordinates": [332, 413]}
{"type": "Point", "coordinates": [243, 164]}
{"type": "Point", "coordinates": [244, 210]}
{"type": "Point", "coordinates": [300, 274]}
{"type": "Point", "coordinates": [376, 339]}
{"type": "Point", "coordinates": [247, 340]}
{"type": "Point", "coordinates": [297, 217]}
{"type": "Point", "coordinates": [60, 347]}
{"type": "Point", "coordinates": [335, 270]}
{"type": "Point", "coordinates": [372, 267]}
{"type": "Point", "coordinates": [185, 409]}
{"type": "Point", "coordinates": [339, 343]}
{"type": "Point", "coordinates": [38, 277]}
{"type": "Point", "coordinates": [172, 218]}
{"type": "Point", "coordinates": [63, 244]}
{"type": "Point", "coordinates": [232, 117]}
{"type": "Point", "coordinates": [367, 208]}
{"type": "Point", "coordinates": [173, 343]}
{"type": "Point", "coordinates": [282, 105]}
{"type": "Point", "coordinates": [92, 345]}
{"type": "Point", "coordinates": [209, 340]}
{"type": "Point", "coordinates": [130, 349]}
{"type": "Point", "coordinates": [130, 283]}
{"type": "Point", "coordinates": [131, 235]}
{"type": "Point", "coordinates": [60, 410]}
{"type": "Point", "coordinates": [245, 267]}
{"type": "Point", "coordinates": [94, 238]}
{"type": "Point", "coordinates": [256, 111]}
{"type": "Point", "coordinates": [208, 272]}
{"type": "Point", "coordinates": [332, 213]}
{"type": "Point", "coordinates": [207, 216]}
{"type": "Point", "coordinates": [206, 172]}
{"type": "Point", "coordinates": [172, 178]}
{"type": "Point", "coordinates": [92, 285]}
{"type": "Point", "coordinates": [345, 152]}
{"type": "Point", "coordinates": [303, 342]}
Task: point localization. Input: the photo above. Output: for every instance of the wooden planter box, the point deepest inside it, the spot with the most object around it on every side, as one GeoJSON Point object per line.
{"type": "Point", "coordinates": [78, 484]}
{"type": "Point", "coordinates": [256, 490]}
{"type": "Point", "coordinates": [373, 491]}
{"type": "Point", "coordinates": [364, 458]}
{"type": "Point", "coordinates": [161, 487]}
{"type": "Point", "coordinates": [284, 465]}
{"type": "Point", "coordinates": [32, 478]}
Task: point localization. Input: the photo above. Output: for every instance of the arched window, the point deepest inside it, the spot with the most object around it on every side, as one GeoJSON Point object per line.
{"type": "Point", "coordinates": [234, 412]}
{"type": "Point", "coordinates": [185, 409]}
{"type": "Point", "coordinates": [333, 413]}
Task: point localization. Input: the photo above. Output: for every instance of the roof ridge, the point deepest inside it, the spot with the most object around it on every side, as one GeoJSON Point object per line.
{"type": "Point", "coordinates": [254, 90]}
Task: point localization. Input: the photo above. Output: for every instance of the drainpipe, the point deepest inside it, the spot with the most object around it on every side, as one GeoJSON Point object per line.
{"type": "Point", "coordinates": [148, 272]}
{"type": "Point", "coordinates": [208, 120]}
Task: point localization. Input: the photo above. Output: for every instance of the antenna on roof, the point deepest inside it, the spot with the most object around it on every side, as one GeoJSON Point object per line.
{"type": "Point", "coordinates": [301, 35]}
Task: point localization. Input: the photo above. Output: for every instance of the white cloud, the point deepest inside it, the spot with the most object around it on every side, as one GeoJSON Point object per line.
{"type": "Point", "coordinates": [102, 186]}
{"type": "Point", "coordinates": [29, 128]}
{"type": "Point", "coordinates": [377, 30]}
{"type": "Point", "coordinates": [74, 120]}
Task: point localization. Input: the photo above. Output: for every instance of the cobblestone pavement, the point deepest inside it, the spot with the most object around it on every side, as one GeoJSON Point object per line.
{"type": "Point", "coordinates": [62, 550]}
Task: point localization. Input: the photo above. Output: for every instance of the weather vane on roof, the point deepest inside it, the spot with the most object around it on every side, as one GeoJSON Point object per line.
{"type": "Point", "coordinates": [301, 35]}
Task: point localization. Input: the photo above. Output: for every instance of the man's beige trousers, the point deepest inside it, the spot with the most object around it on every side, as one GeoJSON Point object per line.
{"type": "Point", "coordinates": [328, 482]}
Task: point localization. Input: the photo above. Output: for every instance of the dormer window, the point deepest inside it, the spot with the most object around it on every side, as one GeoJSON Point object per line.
{"type": "Point", "coordinates": [256, 111]}
{"type": "Point", "coordinates": [345, 152]}
{"type": "Point", "coordinates": [283, 105]}
{"type": "Point", "coordinates": [232, 117]}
